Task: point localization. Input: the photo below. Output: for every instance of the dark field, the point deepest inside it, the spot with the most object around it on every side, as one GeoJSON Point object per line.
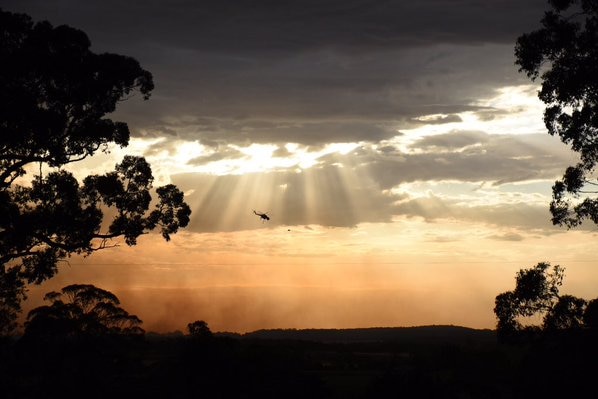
{"type": "Point", "coordinates": [419, 362]}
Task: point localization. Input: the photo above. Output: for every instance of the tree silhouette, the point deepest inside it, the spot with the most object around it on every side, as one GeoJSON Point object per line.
{"type": "Point", "coordinates": [199, 329]}
{"type": "Point", "coordinates": [81, 310]}
{"type": "Point", "coordinates": [566, 314]}
{"type": "Point", "coordinates": [536, 293]}
{"type": "Point", "coordinates": [11, 295]}
{"type": "Point", "coordinates": [54, 96]}
{"type": "Point", "coordinates": [590, 316]}
{"type": "Point", "coordinates": [563, 53]}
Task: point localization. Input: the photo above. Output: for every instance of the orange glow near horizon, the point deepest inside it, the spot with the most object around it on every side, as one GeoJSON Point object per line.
{"type": "Point", "coordinates": [313, 277]}
{"type": "Point", "coordinates": [395, 252]}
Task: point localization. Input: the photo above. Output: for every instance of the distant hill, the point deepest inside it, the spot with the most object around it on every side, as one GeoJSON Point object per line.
{"type": "Point", "coordinates": [423, 334]}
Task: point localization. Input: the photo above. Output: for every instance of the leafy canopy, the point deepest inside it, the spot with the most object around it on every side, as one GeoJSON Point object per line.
{"type": "Point", "coordinates": [536, 293]}
{"type": "Point", "coordinates": [81, 310]}
{"type": "Point", "coordinates": [199, 329]}
{"type": "Point", "coordinates": [55, 95]}
{"type": "Point", "coordinates": [564, 55]}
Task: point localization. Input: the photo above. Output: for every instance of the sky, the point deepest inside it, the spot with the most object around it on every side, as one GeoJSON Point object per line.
{"type": "Point", "coordinates": [400, 156]}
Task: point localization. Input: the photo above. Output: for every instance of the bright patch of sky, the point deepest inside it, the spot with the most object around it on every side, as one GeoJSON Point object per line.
{"type": "Point", "coordinates": [513, 110]}
{"type": "Point", "coordinates": [468, 194]}
{"type": "Point", "coordinates": [179, 158]}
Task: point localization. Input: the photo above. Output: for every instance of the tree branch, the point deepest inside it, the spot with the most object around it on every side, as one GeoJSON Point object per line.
{"type": "Point", "coordinates": [7, 258]}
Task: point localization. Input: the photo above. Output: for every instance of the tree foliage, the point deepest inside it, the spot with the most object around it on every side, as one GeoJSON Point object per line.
{"type": "Point", "coordinates": [590, 317]}
{"type": "Point", "coordinates": [199, 329]}
{"type": "Point", "coordinates": [536, 294]}
{"type": "Point", "coordinates": [55, 94]}
{"type": "Point", "coordinates": [81, 310]}
{"type": "Point", "coordinates": [564, 55]}
{"type": "Point", "coordinates": [567, 313]}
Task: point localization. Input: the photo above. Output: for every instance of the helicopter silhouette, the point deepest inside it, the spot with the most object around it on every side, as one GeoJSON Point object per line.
{"type": "Point", "coordinates": [263, 216]}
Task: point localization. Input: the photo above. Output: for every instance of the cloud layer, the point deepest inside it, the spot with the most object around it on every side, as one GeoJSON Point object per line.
{"type": "Point", "coordinates": [375, 185]}
{"type": "Point", "coordinates": [232, 74]}
{"type": "Point", "coordinates": [309, 72]}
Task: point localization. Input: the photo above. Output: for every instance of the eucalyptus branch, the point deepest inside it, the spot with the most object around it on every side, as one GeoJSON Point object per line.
{"type": "Point", "coordinates": [55, 244]}
{"type": "Point", "coordinates": [103, 245]}
{"type": "Point", "coordinates": [7, 258]}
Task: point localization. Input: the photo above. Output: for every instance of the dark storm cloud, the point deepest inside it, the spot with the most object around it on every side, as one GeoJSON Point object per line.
{"type": "Point", "coordinates": [315, 98]}
{"type": "Point", "coordinates": [308, 71]}
{"type": "Point", "coordinates": [273, 26]}
{"type": "Point", "coordinates": [310, 133]}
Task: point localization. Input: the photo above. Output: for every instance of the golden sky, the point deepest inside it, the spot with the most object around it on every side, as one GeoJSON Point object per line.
{"type": "Point", "coordinates": [401, 157]}
{"type": "Point", "coordinates": [341, 250]}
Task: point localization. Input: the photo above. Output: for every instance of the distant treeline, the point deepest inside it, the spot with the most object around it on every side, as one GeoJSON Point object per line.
{"type": "Point", "coordinates": [413, 362]}
{"type": "Point", "coordinates": [437, 333]}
